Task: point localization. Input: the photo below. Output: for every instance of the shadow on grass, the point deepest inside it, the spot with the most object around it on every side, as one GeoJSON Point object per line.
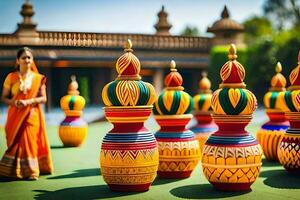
{"type": "Point", "coordinates": [85, 192]}
{"type": "Point", "coordinates": [58, 147]}
{"type": "Point", "coordinates": [63, 147]}
{"type": "Point", "coordinates": [202, 191]}
{"type": "Point", "coordinates": [6, 179]}
{"type": "Point", "coordinates": [281, 179]}
{"type": "Point", "coordinates": [267, 163]}
{"type": "Point", "coordinates": [79, 173]}
{"type": "Point", "coordinates": [159, 181]}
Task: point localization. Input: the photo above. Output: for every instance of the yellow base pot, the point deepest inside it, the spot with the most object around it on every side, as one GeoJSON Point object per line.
{"type": "Point", "coordinates": [72, 136]}
{"type": "Point", "coordinates": [289, 152]}
{"type": "Point", "coordinates": [231, 168]}
{"type": "Point", "coordinates": [269, 141]}
{"type": "Point", "coordinates": [178, 159]}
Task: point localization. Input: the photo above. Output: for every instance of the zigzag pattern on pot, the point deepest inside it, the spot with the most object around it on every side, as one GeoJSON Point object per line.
{"type": "Point", "coordinates": [289, 151]}
{"type": "Point", "coordinates": [130, 156]}
{"type": "Point", "coordinates": [229, 152]}
{"type": "Point", "coordinates": [231, 165]}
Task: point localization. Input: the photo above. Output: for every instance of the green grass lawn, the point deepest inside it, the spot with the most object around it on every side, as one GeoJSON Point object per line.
{"type": "Point", "coordinates": [77, 176]}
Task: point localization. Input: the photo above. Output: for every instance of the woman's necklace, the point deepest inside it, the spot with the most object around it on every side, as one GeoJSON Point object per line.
{"type": "Point", "coordinates": [25, 84]}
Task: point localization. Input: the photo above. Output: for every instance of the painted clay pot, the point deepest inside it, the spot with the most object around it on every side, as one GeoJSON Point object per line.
{"type": "Point", "coordinates": [73, 129]}
{"type": "Point", "coordinates": [270, 133]}
{"type": "Point", "coordinates": [202, 112]}
{"type": "Point", "coordinates": [231, 158]}
{"type": "Point", "coordinates": [129, 154]}
{"type": "Point", "coordinates": [178, 148]}
{"type": "Point", "coordinates": [289, 146]}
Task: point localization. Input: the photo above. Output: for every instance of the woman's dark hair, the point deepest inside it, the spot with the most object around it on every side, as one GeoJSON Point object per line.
{"type": "Point", "coordinates": [20, 52]}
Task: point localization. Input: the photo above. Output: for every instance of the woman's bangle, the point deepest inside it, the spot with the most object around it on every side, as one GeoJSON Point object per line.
{"type": "Point", "coordinates": [34, 101]}
{"type": "Point", "coordinates": [15, 102]}
{"type": "Point", "coordinates": [31, 101]}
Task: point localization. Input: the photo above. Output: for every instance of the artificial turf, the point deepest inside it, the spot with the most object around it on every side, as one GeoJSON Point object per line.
{"type": "Point", "coordinates": [77, 176]}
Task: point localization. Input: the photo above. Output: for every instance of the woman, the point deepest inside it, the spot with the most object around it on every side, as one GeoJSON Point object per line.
{"type": "Point", "coordinates": [28, 152]}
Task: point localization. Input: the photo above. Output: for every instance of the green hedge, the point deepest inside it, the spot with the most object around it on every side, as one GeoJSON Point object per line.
{"type": "Point", "coordinates": [84, 88]}
{"type": "Point", "coordinates": [259, 60]}
{"type": "Point", "coordinates": [262, 57]}
{"type": "Point", "coordinates": [288, 43]}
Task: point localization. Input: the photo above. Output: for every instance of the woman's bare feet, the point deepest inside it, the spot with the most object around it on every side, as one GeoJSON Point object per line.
{"type": "Point", "coordinates": [33, 178]}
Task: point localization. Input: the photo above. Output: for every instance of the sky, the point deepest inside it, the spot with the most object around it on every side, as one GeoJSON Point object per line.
{"type": "Point", "coordinates": [124, 16]}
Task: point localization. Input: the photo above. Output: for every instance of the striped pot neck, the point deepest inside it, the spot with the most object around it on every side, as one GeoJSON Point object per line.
{"type": "Point", "coordinates": [232, 125]}
{"type": "Point", "coordinates": [294, 119]}
{"type": "Point", "coordinates": [173, 123]}
{"type": "Point", "coordinates": [203, 117]}
{"type": "Point", "coordinates": [276, 116]}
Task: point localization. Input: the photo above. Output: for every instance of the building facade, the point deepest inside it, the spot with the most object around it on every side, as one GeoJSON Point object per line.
{"type": "Point", "coordinates": [92, 56]}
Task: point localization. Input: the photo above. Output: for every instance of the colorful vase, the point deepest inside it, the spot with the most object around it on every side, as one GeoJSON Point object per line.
{"type": "Point", "coordinates": [289, 146]}
{"type": "Point", "coordinates": [271, 132]}
{"type": "Point", "coordinates": [178, 148]}
{"type": "Point", "coordinates": [73, 129]}
{"type": "Point", "coordinates": [129, 154]}
{"type": "Point", "coordinates": [231, 158]}
{"type": "Point", "coordinates": [202, 112]}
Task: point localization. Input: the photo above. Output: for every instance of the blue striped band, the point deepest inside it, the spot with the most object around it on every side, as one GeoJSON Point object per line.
{"type": "Point", "coordinates": [173, 135]}
{"type": "Point", "coordinates": [238, 140]}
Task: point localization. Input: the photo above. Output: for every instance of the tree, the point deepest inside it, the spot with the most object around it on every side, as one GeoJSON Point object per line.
{"type": "Point", "coordinates": [256, 27]}
{"type": "Point", "coordinates": [288, 43]}
{"type": "Point", "coordinates": [190, 31]}
{"type": "Point", "coordinates": [282, 11]}
{"type": "Point", "coordinates": [261, 61]}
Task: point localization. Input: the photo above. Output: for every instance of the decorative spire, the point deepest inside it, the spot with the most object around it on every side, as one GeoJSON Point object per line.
{"type": "Point", "coordinates": [278, 82]}
{"type": "Point", "coordinates": [27, 12]}
{"type": "Point", "coordinates": [295, 76]}
{"type": "Point", "coordinates": [27, 29]}
{"type": "Point", "coordinates": [162, 26]}
{"type": "Point", "coordinates": [73, 86]}
{"type": "Point", "coordinates": [226, 30]}
{"type": "Point", "coordinates": [232, 52]}
{"type": "Point", "coordinates": [225, 13]}
{"type": "Point", "coordinates": [232, 72]}
{"type": "Point", "coordinates": [128, 65]}
{"type": "Point", "coordinates": [128, 46]}
{"type": "Point", "coordinates": [278, 67]}
{"type": "Point", "coordinates": [205, 84]}
{"type": "Point", "coordinates": [173, 80]}
{"type": "Point", "coordinates": [173, 66]}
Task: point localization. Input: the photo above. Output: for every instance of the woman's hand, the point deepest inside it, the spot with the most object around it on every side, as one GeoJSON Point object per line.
{"type": "Point", "coordinates": [21, 103]}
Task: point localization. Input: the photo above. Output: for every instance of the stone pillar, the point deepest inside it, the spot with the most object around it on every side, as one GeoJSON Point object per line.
{"type": "Point", "coordinates": [158, 80]}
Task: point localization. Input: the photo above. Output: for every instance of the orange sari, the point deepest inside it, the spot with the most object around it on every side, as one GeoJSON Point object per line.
{"type": "Point", "coordinates": [28, 150]}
